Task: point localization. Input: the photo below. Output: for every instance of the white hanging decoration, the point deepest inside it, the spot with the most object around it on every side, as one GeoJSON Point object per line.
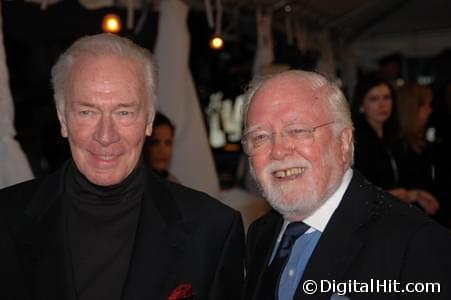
{"type": "Point", "coordinates": [130, 14]}
{"type": "Point", "coordinates": [216, 136]}
{"type": "Point", "coordinates": [209, 12]}
{"type": "Point", "coordinates": [301, 35]}
{"type": "Point", "coordinates": [228, 114]}
{"type": "Point", "coordinates": [214, 105]}
{"type": "Point", "coordinates": [288, 25]}
{"type": "Point", "coordinates": [218, 30]}
{"type": "Point", "coordinates": [236, 128]}
{"type": "Point", "coordinates": [264, 55]}
{"type": "Point", "coordinates": [44, 3]}
{"type": "Point", "coordinates": [96, 4]}
{"type": "Point", "coordinates": [326, 64]}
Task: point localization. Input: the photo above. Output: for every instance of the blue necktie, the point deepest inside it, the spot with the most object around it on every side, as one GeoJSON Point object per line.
{"type": "Point", "coordinates": [271, 276]}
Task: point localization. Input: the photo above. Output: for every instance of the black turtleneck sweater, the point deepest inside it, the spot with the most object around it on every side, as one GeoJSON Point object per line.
{"type": "Point", "coordinates": [101, 226]}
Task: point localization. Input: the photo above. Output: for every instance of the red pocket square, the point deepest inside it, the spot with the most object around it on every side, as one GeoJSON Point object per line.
{"type": "Point", "coordinates": [183, 291]}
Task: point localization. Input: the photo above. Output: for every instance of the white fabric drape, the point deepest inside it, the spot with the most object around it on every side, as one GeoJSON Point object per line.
{"type": "Point", "coordinates": [14, 166]}
{"type": "Point", "coordinates": [264, 55]}
{"type": "Point", "coordinates": [317, 39]}
{"type": "Point", "coordinates": [302, 36]}
{"type": "Point", "coordinates": [192, 161]}
{"type": "Point", "coordinates": [326, 64]}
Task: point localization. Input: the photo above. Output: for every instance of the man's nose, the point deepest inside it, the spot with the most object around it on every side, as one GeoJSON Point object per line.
{"type": "Point", "coordinates": [106, 132]}
{"type": "Point", "coordinates": [281, 146]}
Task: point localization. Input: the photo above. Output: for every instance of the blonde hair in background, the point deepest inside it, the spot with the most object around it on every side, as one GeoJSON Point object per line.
{"type": "Point", "coordinates": [411, 97]}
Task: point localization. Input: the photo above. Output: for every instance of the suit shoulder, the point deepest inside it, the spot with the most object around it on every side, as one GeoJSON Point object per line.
{"type": "Point", "coordinates": [394, 215]}
{"type": "Point", "coordinates": [405, 224]}
{"type": "Point", "coordinates": [18, 195]}
{"type": "Point", "coordinates": [21, 186]}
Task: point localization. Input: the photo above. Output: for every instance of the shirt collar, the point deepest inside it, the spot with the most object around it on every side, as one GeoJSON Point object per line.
{"type": "Point", "coordinates": [320, 217]}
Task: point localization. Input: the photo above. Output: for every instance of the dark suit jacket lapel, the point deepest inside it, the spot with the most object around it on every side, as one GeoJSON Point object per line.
{"type": "Point", "coordinates": [342, 238]}
{"type": "Point", "coordinates": [160, 240]}
{"type": "Point", "coordinates": [41, 241]}
{"type": "Point", "coordinates": [262, 247]}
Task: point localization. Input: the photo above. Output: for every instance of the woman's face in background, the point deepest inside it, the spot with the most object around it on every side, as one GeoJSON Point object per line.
{"type": "Point", "coordinates": [158, 148]}
{"type": "Point", "coordinates": [377, 105]}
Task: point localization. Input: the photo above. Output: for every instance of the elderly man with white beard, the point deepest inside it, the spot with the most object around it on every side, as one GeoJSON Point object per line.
{"type": "Point", "coordinates": [329, 226]}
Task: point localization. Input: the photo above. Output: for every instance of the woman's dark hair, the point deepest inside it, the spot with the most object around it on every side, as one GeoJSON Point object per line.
{"type": "Point", "coordinates": [161, 119]}
{"type": "Point", "coordinates": [361, 90]}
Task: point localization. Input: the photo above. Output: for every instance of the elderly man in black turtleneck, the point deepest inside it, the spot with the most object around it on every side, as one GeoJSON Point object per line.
{"type": "Point", "coordinates": [104, 226]}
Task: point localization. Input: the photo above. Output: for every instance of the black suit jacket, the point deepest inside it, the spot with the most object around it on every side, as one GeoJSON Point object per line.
{"type": "Point", "coordinates": [371, 235]}
{"type": "Point", "coordinates": [183, 236]}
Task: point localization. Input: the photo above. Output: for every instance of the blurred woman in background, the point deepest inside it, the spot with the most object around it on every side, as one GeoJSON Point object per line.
{"type": "Point", "coordinates": [374, 124]}
{"type": "Point", "coordinates": [413, 152]}
{"type": "Point", "coordinates": [157, 151]}
{"type": "Point", "coordinates": [374, 118]}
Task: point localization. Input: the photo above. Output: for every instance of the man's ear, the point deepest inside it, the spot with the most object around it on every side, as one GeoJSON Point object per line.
{"type": "Point", "coordinates": [149, 129]}
{"type": "Point", "coordinates": [346, 139]}
{"type": "Point", "coordinates": [63, 124]}
{"type": "Point", "coordinates": [150, 124]}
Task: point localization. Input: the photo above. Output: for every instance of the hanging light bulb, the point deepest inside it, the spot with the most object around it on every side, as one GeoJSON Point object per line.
{"type": "Point", "coordinates": [111, 23]}
{"type": "Point", "coordinates": [216, 42]}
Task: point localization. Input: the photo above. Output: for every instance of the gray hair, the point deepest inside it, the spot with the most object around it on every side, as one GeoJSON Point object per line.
{"type": "Point", "coordinates": [337, 102]}
{"type": "Point", "coordinates": [328, 91]}
{"type": "Point", "coordinates": [100, 45]}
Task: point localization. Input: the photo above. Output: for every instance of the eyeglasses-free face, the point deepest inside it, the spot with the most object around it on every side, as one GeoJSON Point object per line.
{"type": "Point", "coordinates": [260, 141]}
{"type": "Point", "coordinates": [106, 117]}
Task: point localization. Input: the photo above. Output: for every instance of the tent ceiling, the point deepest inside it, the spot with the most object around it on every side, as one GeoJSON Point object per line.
{"type": "Point", "coordinates": [354, 18]}
{"type": "Point", "coordinates": [378, 25]}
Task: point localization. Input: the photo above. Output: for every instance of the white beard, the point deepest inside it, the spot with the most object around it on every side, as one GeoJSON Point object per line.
{"type": "Point", "coordinates": [286, 197]}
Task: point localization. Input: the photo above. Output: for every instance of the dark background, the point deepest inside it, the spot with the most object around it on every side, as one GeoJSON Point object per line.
{"type": "Point", "coordinates": [34, 38]}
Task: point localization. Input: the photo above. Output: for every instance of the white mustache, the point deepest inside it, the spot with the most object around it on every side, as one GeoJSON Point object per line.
{"type": "Point", "coordinates": [282, 165]}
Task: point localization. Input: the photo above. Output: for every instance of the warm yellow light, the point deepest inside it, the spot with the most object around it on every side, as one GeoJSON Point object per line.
{"type": "Point", "coordinates": [111, 23]}
{"type": "Point", "coordinates": [216, 42]}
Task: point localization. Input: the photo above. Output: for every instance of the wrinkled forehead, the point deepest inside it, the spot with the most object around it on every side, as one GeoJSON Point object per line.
{"type": "Point", "coordinates": [107, 65]}
{"type": "Point", "coordinates": [287, 99]}
{"type": "Point", "coordinates": [113, 70]}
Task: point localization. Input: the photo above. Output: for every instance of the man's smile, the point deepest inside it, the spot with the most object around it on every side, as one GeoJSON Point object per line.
{"type": "Point", "coordinates": [289, 173]}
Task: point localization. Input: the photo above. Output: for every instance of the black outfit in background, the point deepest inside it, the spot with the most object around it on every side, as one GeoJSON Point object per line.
{"type": "Point", "coordinates": [58, 240]}
{"type": "Point", "coordinates": [416, 170]}
{"type": "Point", "coordinates": [419, 171]}
{"type": "Point", "coordinates": [373, 157]}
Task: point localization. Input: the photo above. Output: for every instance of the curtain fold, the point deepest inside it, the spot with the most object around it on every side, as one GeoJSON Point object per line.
{"type": "Point", "coordinates": [192, 161]}
{"type": "Point", "coordinates": [14, 166]}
